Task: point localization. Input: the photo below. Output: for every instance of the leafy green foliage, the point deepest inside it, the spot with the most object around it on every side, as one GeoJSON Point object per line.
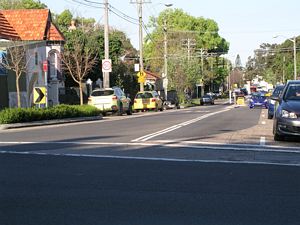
{"type": "Point", "coordinates": [275, 63]}
{"type": "Point", "coordinates": [186, 36]}
{"type": "Point", "coordinates": [21, 4]}
{"type": "Point", "coordinates": [19, 115]}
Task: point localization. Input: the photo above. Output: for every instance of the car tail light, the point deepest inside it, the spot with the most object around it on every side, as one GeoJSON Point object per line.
{"type": "Point", "coordinates": [153, 100]}
{"type": "Point", "coordinates": [114, 98]}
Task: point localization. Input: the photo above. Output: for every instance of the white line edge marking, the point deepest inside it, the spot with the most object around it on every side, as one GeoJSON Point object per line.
{"type": "Point", "coordinates": [175, 127]}
{"type": "Point", "coordinates": [183, 144]}
{"type": "Point", "coordinates": [156, 159]}
{"type": "Point", "coordinates": [262, 141]}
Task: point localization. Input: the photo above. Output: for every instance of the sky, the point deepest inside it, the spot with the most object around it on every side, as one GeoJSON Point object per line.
{"type": "Point", "coordinates": [244, 24]}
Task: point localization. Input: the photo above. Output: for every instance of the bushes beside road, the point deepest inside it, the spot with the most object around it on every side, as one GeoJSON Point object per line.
{"type": "Point", "coordinates": [20, 115]}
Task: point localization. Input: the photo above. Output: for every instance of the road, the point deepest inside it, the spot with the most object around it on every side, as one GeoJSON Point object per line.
{"type": "Point", "coordinates": [203, 165]}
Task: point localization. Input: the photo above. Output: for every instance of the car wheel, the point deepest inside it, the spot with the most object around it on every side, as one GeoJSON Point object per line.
{"type": "Point", "coordinates": [278, 137]}
{"type": "Point", "coordinates": [129, 111]}
{"type": "Point", "coordinates": [120, 111]}
{"type": "Point", "coordinates": [270, 116]}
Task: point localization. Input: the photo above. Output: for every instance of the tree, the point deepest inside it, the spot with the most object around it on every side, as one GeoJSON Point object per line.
{"type": "Point", "coordinates": [79, 56]}
{"type": "Point", "coordinates": [274, 62]}
{"type": "Point", "coordinates": [16, 60]}
{"type": "Point", "coordinates": [21, 4]}
{"type": "Point", "coordinates": [186, 35]}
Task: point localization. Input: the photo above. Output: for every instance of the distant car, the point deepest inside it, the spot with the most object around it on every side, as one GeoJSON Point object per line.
{"type": "Point", "coordinates": [258, 99]}
{"type": "Point", "coordinates": [207, 99]}
{"type": "Point", "coordinates": [287, 115]}
{"type": "Point", "coordinates": [111, 100]}
{"type": "Point", "coordinates": [172, 101]}
{"type": "Point", "coordinates": [271, 103]}
{"type": "Point", "coordinates": [148, 100]}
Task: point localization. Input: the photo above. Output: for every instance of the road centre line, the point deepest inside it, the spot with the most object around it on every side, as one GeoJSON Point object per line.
{"type": "Point", "coordinates": [154, 158]}
{"type": "Point", "coordinates": [175, 127]}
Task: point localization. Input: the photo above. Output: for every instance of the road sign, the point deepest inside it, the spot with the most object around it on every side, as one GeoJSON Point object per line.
{"type": "Point", "coordinates": [106, 65]}
{"type": "Point", "coordinates": [39, 95]}
{"type": "Point", "coordinates": [45, 66]}
{"type": "Point", "coordinates": [141, 77]}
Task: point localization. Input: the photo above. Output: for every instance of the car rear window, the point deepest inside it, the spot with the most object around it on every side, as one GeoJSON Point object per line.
{"type": "Point", "coordinates": [144, 95]}
{"type": "Point", "coordinates": [102, 93]}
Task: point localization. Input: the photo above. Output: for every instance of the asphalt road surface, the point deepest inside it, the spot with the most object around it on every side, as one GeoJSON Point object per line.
{"type": "Point", "coordinates": [203, 165]}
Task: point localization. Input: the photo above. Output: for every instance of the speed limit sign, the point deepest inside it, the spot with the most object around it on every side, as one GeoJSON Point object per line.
{"type": "Point", "coordinates": [106, 65]}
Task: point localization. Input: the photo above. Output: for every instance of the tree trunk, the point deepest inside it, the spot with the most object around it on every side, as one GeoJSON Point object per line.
{"type": "Point", "coordinates": [18, 91]}
{"type": "Point", "coordinates": [81, 94]}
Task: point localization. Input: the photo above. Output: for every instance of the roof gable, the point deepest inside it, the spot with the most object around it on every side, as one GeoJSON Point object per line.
{"type": "Point", "coordinates": [32, 24]}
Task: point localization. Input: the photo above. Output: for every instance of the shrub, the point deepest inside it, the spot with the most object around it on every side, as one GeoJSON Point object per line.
{"type": "Point", "coordinates": [19, 115]}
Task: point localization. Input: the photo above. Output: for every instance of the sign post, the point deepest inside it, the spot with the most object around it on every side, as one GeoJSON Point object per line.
{"type": "Point", "coordinates": [45, 69]}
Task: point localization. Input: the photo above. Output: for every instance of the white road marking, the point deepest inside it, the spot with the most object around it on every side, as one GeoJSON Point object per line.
{"type": "Point", "coordinates": [155, 159]}
{"type": "Point", "coordinates": [262, 141]}
{"type": "Point", "coordinates": [175, 127]}
{"type": "Point", "coordinates": [174, 144]}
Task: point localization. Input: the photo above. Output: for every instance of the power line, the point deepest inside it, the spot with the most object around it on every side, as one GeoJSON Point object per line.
{"type": "Point", "coordinates": [120, 12]}
{"type": "Point", "coordinates": [82, 3]}
{"type": "Point", "coordinates": [122, 17]}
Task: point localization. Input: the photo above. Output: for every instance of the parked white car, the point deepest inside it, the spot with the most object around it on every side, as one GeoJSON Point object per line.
{"type": "Point", "coordinates": [111, 100]}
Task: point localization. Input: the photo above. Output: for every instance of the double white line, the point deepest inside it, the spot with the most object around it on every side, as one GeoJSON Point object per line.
{"type": "Point", "coordinates": [175, 127]}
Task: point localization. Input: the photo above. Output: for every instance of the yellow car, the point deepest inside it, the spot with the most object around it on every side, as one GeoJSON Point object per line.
{"type": "Point", "coordinates": [147, 100]}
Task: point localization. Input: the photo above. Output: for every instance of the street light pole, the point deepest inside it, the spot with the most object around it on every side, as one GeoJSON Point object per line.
{"type": "Point", "coordinates": [295, 58]}
{"type": "Point", "coordinates": [140, 3]}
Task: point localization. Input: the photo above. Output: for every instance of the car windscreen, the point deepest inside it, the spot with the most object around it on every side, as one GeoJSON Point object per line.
{"type": "Point", "coordinates": [206, 96]}
{"type": "Point", "coordinates": [277, 91]}
{"type": "Point", "coordinates": [103, 93]}
{"type": "Point", "coordinates": [292, 92]}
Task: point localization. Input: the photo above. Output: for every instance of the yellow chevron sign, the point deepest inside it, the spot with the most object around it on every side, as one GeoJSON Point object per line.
{"type": "Point", "coordinates": [39, 95]}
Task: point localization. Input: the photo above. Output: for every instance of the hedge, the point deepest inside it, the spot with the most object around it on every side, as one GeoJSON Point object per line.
{"type": "Point", "coordinates": [20, 115]}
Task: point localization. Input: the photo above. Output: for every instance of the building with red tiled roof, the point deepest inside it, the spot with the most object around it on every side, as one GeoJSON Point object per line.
{"type": "Point", "coordinates": [28, 25]}
{"type": "Point", "coordinates": [44, 43]}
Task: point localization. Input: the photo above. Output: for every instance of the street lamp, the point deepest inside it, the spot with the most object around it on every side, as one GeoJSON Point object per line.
{"type": "Point", "coordinates": [295, 53]}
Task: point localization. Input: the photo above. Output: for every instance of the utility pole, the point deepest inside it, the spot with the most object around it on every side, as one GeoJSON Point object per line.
{"type": "Point", "coordinates": [140, 3]}
{"type": "Point", "coordinates": [166, 59]}
{"type": "Point", "coordinates": [106, 44]}
{"type": "Point", "coordinates": [283, 70]}
{"type": "Point", "coordinates": [140, 13]}
{"type": "Point", "coordinates": [189, 44]}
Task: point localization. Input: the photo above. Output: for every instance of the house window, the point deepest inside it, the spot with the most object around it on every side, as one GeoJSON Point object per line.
{"type": "Point", "coordinates": [52, 64]}
{"type": "Point", "coordinates": [36, 59]}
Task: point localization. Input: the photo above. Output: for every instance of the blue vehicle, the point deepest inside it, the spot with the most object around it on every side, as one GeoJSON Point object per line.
{"type": "Point", "coordinates": [258, 100]}
{"type": "Point", "coordinates": [271, 103]}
